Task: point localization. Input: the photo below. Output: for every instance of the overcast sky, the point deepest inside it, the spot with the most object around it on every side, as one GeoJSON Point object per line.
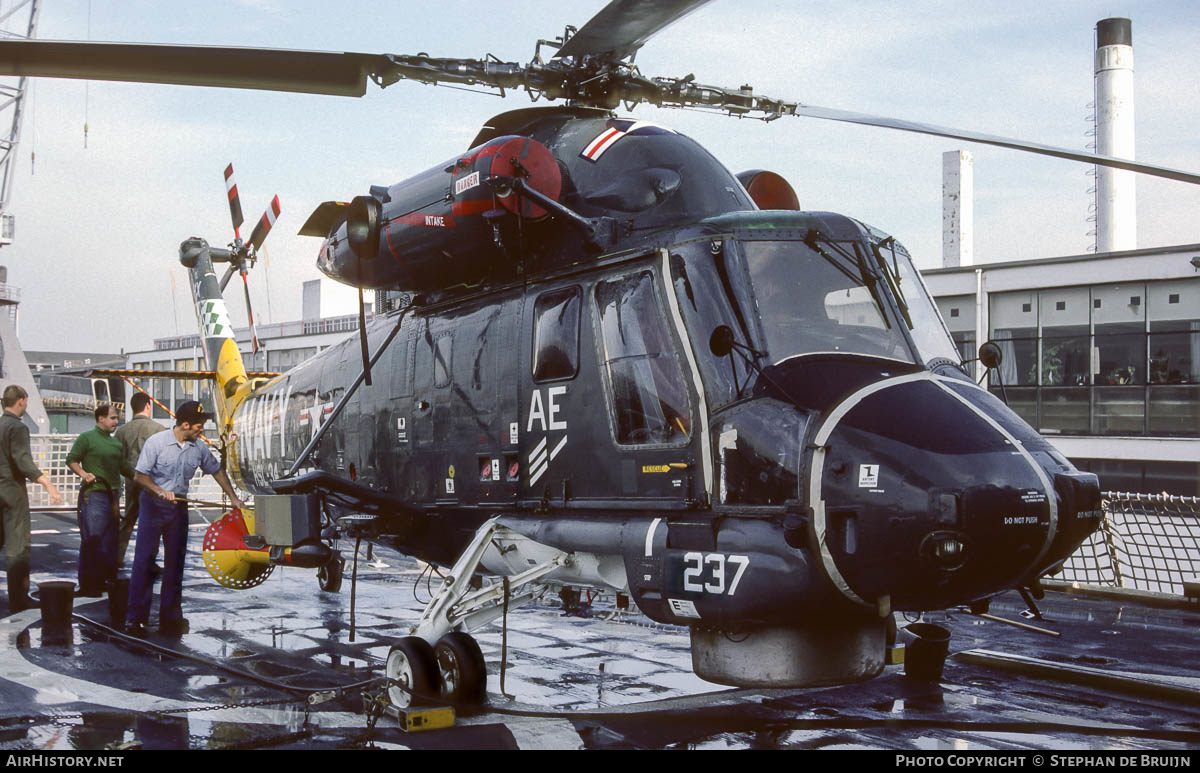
{"type": "Point", "coordinates": [98, 229]}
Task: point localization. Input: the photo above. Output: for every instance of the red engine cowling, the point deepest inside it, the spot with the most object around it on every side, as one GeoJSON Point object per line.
{"type": "Point", "coordinates": [435, 230]}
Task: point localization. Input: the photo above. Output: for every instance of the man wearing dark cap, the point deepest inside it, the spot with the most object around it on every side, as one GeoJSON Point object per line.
{"type": "Point", "coordinates": [16, 467]}
{"type": "Point", "coordinates": [164, 469]}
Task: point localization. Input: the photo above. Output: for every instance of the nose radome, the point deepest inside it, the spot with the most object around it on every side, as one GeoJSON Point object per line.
{"type": "Point", "coordinates": [920, 496]}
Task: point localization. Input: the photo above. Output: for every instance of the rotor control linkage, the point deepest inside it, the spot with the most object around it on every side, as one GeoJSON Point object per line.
{"type": "Point", "coordinates": [598, 232]}
{"type": "Point", "coordinates": [456, 607]}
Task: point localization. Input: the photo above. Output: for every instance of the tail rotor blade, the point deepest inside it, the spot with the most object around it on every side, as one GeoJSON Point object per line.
{"type": "Point", "coordinates": [235, 204]}
{"type": "Point", "coordinates": [264, 225]}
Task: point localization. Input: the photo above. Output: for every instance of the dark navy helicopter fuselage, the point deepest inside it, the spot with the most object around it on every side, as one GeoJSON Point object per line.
{"type": "Point", "coordinates": [752, 421]}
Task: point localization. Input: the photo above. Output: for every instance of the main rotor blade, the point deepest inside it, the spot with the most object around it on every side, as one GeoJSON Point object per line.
{"type": "Point", "coordinates": [271, 69]}
{"type": "Point", "coordinates": [623, 26]}
{"type": "Point", "coordinates": [846, 116]}
{"type": "Point", "coordinates": [235, 203]}
{"type": "Point", "coordinates": [264, 225]}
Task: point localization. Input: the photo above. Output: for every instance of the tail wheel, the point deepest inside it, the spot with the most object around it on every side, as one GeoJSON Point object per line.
{"type": "Point", "coordinates": [227, 557]}
{"type": "Point", "coordinates": [411, 662]}
{"type": "Point", "coordinates": [329, 576]}
{"type": "Point", "coordinates": [462, 667]}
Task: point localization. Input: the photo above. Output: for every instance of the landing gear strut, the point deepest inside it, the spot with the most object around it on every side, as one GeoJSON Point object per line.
{"type": "Point", "coordinates": [441, 658]}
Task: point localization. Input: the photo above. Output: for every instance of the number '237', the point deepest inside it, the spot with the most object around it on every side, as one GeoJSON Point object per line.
{"type": "Point", "coordinates": [705, 572]}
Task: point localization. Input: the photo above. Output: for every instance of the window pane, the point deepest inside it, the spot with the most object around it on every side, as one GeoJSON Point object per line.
{"type": "Point", "coordinates": [1064, 410]}
{"type": "Point", "coordinates": [968, 351]}
{"type": "Point", "coordinates": [1120, 358]}
{"type": "Point", "coordinates": [1066, 359]}
{"type": "Point", "coordinates": [1014, 329]}
{"type": "Point", "coordinates": [1174, 357]}
{"type": "Point", "coordinates": [1175, 410]}
{"type": "Point", "coordinates": [649, 396]}
{"type": "Point", "coordinates": [185, 389]}
{"type": "Point", "coordinates": [161, 393]}
{"type": "Point", "coordinates": [1120, 410]}
{"type": "Point", "coordinates": [279, 361]}
{"type": "Point", "coordinates": [556, 335]}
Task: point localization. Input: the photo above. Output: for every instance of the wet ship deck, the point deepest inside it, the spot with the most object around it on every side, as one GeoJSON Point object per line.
{"type": "Point", "coordinates": [1119, 676]}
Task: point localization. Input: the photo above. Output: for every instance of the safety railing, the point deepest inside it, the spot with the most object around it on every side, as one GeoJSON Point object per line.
{"type": "Point", "coordinates": [1148, 542]}
{"type": "Point", "coordinates": [50, 455]}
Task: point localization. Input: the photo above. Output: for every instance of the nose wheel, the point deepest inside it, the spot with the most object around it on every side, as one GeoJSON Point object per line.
{"type": "Point", "coordinates": [454, 670]}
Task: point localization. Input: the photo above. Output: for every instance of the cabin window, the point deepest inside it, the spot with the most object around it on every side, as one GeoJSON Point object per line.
{"type": "Point", "coordinates": [649, 396]}
{"type": "Point", "coordinates": [556, 335]}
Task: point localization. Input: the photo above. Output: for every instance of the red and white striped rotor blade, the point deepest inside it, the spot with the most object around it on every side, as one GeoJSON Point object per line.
{"type": "Point", "coordinates": [250, 314]}
{"type": "Point", "coordinates": [235, 204]}
{"type": "Point", "coordinates": [264, 225]}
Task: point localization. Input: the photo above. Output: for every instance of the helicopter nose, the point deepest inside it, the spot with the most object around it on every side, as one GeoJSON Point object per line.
{"type": "Point", "coordinates": [925, 494]}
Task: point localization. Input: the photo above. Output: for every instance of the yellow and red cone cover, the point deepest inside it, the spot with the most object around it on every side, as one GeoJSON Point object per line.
{"type": "Point", "coordinates": [227, 557]}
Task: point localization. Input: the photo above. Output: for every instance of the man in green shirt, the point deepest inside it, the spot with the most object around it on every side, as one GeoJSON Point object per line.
{"type": "Point", "coordinates": [98, 458]}
{"type": "Point", "coordinates": [17, 467]}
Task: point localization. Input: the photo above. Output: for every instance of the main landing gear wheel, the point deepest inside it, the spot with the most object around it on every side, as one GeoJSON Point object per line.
{"type": "Point", "coordinates": [462, 668]}
{"type": "Point", "coordinates": [411, 663]}
{"type": "Point", "coordinates": [329, 576]}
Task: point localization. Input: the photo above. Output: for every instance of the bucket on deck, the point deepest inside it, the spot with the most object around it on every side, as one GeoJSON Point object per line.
{"type": "Point", "coordinates": [925, 654]}
{"type": "Point", "coordinates": [57, 599]}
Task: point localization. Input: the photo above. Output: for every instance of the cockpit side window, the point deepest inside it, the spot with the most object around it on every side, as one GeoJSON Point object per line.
{"type": "Point", "coordinates": [556, 335]}
{"type": "Point", "coordinates": [649, 394]}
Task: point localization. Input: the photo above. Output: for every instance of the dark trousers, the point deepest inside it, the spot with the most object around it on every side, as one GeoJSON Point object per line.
{"type": "Point", "coordinates": [132, 500]}
{"type": "Point", "coordinates": [97, 542]}
{"type": "Point", "coordinates": [14, 519]}
{"type": "Point", "coordinates": [164, 522]}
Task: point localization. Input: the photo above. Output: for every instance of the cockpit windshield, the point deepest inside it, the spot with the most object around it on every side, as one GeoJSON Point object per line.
{"type": "Point", "coordinates": [819, 297]}
{"type": "Point", "coordinates": [928, 329]}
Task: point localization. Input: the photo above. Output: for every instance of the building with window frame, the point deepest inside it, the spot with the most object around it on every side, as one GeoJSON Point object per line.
{"type": "Point", "coordinates": [1101, 355]}
{"type": "Point", "coordinates": [282, 346]}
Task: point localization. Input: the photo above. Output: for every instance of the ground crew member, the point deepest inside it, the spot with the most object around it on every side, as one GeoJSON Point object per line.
{"type": "Point", "coordinates": [16, 467]}
{"type": "Point", "coordinates": [97, 458]}
{"type": "Point", "coordinates": [133, 435]}
{"type": "Point", "coordinates": [164, 470]}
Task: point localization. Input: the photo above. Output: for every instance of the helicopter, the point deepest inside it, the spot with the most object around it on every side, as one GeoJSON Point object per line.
{"type": "Point", "coordinates": [619, 366]}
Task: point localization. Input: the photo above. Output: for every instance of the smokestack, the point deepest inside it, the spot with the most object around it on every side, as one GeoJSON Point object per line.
{"type": "Point", "coordinates": [958, 208]}
{"type": "Point", "coordinates": [1116, 197]}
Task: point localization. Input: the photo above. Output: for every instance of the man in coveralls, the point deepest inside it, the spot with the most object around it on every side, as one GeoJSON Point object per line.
{"type": "Point", "coordinates": [164, 470]}
{"type": "Point", "coordinates": [97, 458]}
{"type": "Point", "coordinates": [16, 467]}
{"type": "Point", "coordinates": [133, 435]}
